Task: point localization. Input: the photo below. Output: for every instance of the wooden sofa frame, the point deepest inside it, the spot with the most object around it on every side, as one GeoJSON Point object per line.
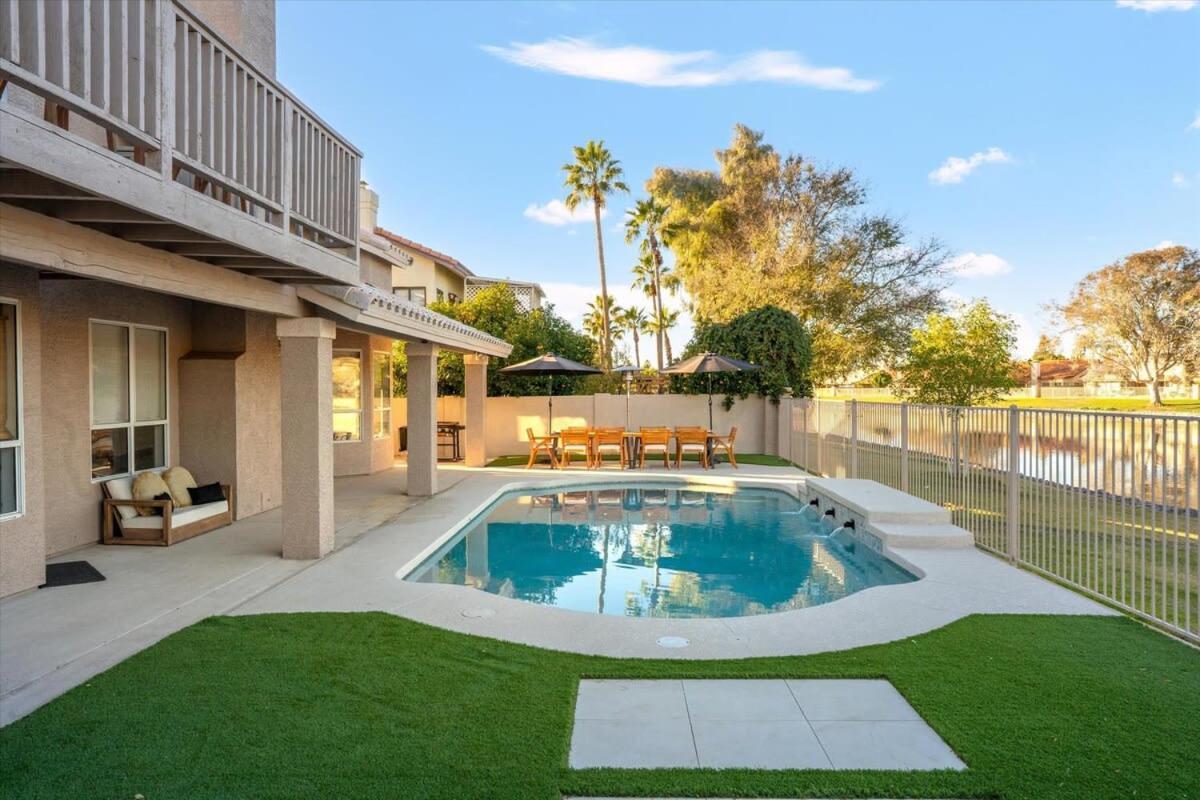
{"type": "Point", "coordinates": [168, 534]}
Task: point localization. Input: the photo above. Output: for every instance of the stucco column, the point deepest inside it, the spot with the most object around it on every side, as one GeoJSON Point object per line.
{"type": "Point", "coordinates": [306, 382]}
{"type": "Point", "coordinates": [475, 380]}
{"type": "Point", "coordinates": [422, 418]}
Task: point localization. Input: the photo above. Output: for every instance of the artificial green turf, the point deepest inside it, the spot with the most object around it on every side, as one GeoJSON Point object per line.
{"type": "Point", "coordinates": [370, 705]}
{"type": "Point", "coordinates": [757, 459]}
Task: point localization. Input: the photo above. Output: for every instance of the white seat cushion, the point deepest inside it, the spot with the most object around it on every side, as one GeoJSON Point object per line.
{"type": "Point", "coordinates": [122, 489]}
{"type": "Point", "coordinates": [184, 516]}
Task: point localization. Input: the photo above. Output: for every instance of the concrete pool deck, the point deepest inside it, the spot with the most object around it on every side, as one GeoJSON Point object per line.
{"type": "Point", "coordinates": [956, 582]}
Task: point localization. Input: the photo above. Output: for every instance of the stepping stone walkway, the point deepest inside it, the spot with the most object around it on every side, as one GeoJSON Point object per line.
{"type": "Point", "coordinates": [755, 724]}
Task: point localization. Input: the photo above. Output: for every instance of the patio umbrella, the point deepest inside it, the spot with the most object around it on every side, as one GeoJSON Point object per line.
{"type": "Point", "coordinates": [549, 365]}
{"type": "Point", "coordinates": [707, 364]}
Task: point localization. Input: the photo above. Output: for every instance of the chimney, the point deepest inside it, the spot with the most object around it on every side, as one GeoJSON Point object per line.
{"type": "Point", "coordinates": [368, 207]}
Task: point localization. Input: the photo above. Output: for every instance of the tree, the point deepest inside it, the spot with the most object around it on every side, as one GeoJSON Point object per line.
{"type": "Point", "coordinates": [1047, 349]}
{"type": "Point", "coordinates": [960, 359]}
{"type": "Point", "coordinates": [633, 319]}
{"type": "Point", "coordinates": [662, 326]}
{"type": "Point", "coordinates": [647, 220]}
{"type": "Point", "coordinates": [603, 312]}
{"type": "Point", "coordinates": [1141, 315]}
{"type": "Point", "coordinates": [495, 310]}
{"type": "Point", "coordinates": [766, 229]}
{"type": "Point", "coordinates": [770, 337]}
{"type": "Point", "coordinates": [592, 177]}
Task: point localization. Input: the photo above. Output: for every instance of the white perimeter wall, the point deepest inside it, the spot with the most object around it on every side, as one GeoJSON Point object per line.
{"type": "Point", "coordinates": [508, 417]}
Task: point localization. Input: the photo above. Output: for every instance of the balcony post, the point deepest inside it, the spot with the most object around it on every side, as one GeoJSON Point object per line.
{"type": "Point", "coordinates": [166, 88]}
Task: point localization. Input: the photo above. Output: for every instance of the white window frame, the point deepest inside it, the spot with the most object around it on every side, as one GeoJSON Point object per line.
{"type": "Point", "coordinates": [133, 422]}
{"type": "Point", "coordinates": [387, 434]}
{"type": "Point", "coordinates": [345, 351]}
{"type": "Point", "coordinates": [17, 444]}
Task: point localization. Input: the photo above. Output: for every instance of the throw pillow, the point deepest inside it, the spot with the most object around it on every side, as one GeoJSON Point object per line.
{"type": "Point", "coordinates": [208, 493]}
{"type": "Point", "coordinates": [179, 480]}
{"type": "Point", "coordinates": [148, 486]}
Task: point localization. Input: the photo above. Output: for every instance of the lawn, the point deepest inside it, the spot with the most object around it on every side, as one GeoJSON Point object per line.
{"type": "Point", "coordinates": [757, 459]}
{"type": "Point", "coordinates": [370, 705]}
{"type": "Point", "coordinates": [1138, 404]}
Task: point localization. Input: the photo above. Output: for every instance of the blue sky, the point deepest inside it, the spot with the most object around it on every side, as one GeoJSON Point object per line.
{"type": "Point", "coordinates": [1076, 124]}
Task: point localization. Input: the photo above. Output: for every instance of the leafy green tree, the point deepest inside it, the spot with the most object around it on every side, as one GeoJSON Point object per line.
{"type": "Point", "coordinates": [774, 339]}
{"type": "Point", "coordinates": [961, 359]}
{"type": "Point", "coordinates": [768, 229]}
{"type": "Point", "coordinates": [1141, 315]}
{"type": "Point", "coordinates": [602, 311]}
{"type": "Point", "coordinates": [495, 310]}
{"type": "Point", "coordinates": [591, 178]}
{"type": "Point", "coordinates": [662, 326]}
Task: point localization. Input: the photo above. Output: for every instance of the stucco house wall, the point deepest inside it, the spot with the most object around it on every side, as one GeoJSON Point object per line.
{"type": "Point", "coordinates": [22, 539]}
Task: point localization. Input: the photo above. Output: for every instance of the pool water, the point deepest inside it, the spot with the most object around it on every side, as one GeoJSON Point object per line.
{"type": "Point", "coordinates": [655, 551]}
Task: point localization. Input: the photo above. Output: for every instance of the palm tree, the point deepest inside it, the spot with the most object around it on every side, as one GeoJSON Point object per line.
{"type": "Point", "coordinates": [599, 319]}
{"type": "Point", "coordinates": [634, 319]}
{"type": "Point", "coordinates": [648, 220]}
{"type": "Point", "coordinates": [662, 325]}
{"type": "Point", "coordinates": [592, 177]}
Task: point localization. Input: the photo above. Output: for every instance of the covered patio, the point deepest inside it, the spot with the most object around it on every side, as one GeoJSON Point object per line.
{"type": "Point", "coordinates": [57, 638]}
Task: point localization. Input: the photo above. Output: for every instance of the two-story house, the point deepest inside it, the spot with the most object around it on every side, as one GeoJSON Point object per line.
{"type": "Point", "coordinates": [423, 275]}
{"type": "Point", "coordinates": [181, 283]}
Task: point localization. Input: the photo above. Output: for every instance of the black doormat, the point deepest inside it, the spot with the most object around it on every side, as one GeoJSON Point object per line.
{"type": "Point", "coordinates": [70, 573]}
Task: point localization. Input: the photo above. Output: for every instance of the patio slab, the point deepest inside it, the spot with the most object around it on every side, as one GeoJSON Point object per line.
{"type": "Point", "coordinates": [753, 724]}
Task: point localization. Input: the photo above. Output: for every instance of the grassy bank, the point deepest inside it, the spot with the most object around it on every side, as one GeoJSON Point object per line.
{"type": "Point", "coordinates": [370, 705]}
{"type": "Point", "coordinates": [1131, 404]}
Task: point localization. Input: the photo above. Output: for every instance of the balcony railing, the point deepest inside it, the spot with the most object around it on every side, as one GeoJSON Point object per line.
{"type": "Point", "coordinates": [168, 92]}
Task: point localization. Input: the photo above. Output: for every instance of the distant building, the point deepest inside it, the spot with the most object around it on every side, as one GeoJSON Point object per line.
{"type": "Point", "coordinates": [421, 274]}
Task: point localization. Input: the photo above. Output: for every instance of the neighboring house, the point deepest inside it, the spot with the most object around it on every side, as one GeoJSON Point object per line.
{"type": "Point", "coordinates": [424, 275]}
{"type": "Point", "coordinates": [182, 281]}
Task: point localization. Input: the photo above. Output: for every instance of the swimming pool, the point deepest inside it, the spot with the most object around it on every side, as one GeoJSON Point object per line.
{"type": "Point", "coordinates": [646, 550]}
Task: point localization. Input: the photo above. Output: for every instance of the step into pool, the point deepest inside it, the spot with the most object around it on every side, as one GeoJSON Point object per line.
{"type": "Point", "coordinates": [653, 550]}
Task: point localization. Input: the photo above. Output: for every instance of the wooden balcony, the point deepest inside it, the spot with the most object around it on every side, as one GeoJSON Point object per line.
{"type": "Point", "coordinates": [135, 118]}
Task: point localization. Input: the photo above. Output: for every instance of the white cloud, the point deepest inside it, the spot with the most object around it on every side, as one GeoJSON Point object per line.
{"type": "Point", "coordinates": [1154, 6]}
{"type": "Point", "coordinates": [556, 212]}
{"type": "Point", "coordinates": [1165, 244]}
{"type": "Point", "coordinates": [977, 265]}
{"type": "Point", "coordinates": [1180, 180]}
{"type": "Point", "coordinates": [647, 66]}
{"type": "Point", "coordinates": [1195, 126]}
{"type": "Point", "coordinates": [954, 168]}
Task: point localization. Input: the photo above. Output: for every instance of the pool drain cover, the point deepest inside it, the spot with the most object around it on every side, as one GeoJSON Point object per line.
{"type": "Point", "coordinates": [478, 613]}
{"type": "Point", "coordinates": [672, 642]}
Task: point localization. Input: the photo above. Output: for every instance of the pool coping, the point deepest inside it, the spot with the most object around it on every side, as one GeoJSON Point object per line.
{"type": "Point", "coordinates": [955, 583]}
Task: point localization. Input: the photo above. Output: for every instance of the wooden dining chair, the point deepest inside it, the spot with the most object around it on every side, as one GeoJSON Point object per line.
{"type": "Point", "coordinates": [726, 443]}
{"type": "Point", "coordinates": [659, 438]}
{"type": "Point", "coordinates": [608, 440]}
{"type": "Point", "coordinates": [540, 444]}
{"type": "Point", "coordinates": [575, 440]}
{"type": "Point", "coordinates": [691, 440]}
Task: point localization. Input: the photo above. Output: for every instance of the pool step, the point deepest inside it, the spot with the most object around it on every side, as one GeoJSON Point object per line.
{"type": "Point", "coordinates": [887, 517]}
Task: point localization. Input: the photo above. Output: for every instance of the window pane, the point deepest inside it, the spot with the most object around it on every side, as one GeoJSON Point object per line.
{"type": "Point", "coordinates": [110, 373]}
{"type": "Point", "coordinates": [9, 419]}
{"type": "Point", "coordinates": [150, 374]}
{"type": "Point", "coordinates": [149, 446]}
{"type": "Point", "coordinates": [383, 423]}
{"type": "Point", "coordinates": [8, 479]}
{"type": "Point", "coordinates": [110, 452]}
{"type": "Point", "coordinates": [347, 382]}
{"type": "Point", "coordinates": [347, 426]}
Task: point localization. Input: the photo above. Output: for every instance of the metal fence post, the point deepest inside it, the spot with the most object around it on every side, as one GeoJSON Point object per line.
{"type": "Point", "coordinates": [817, 429]}
{"type": "Point", "coordinates": [853, 438]}
{"type": "Point", "coordinates": [1014, 484]}
{"type": "Point", "coordinates": [904, 447]}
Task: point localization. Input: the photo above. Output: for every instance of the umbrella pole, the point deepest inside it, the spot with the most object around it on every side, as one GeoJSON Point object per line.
{"type": "Point", "coordinates": [710, 416]}
{"type": "Point", "coordinates": [550, 409]}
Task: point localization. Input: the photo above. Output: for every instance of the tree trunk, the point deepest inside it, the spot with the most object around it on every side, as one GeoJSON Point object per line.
{"type": "Point", "coordinates": [657, 298]}
{"type": "Point", "coordinates": [1155, 392]}
{"type": "Point", "coordinates": [637, 353]}
{"type": "Point", "coordinates": [606, 348]}
{"type": "Point", "coordinates": [666, 342]}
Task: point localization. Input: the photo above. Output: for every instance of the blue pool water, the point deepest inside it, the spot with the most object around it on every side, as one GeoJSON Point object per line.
{"type": "Point", "coordinates": [653, 551]}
